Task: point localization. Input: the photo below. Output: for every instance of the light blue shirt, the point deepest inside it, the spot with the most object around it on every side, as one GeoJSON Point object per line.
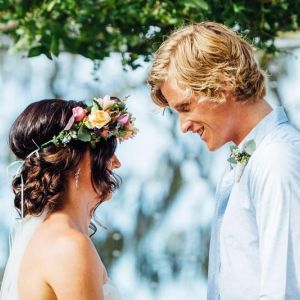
{"type": "Point", "coordinates": [255, 242]}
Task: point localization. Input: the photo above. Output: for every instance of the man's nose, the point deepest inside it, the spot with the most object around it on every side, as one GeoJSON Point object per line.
{"type": "Point", "coordinates": [185, 125]}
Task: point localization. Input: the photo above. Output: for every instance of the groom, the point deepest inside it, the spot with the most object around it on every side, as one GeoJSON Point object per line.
{"type": "Point", "coordinates": [208, 75]}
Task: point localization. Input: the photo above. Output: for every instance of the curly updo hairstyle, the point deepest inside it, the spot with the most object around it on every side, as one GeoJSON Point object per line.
{"type": "Point", "coordinates": [45, 175]}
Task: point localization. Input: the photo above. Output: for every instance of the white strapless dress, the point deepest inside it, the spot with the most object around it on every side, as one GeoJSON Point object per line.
{"type": "Point", "coordinates": [22, 235]}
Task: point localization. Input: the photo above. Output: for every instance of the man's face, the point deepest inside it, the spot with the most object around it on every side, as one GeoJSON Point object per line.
{"type": "Point", "coordinates": [216, 124]}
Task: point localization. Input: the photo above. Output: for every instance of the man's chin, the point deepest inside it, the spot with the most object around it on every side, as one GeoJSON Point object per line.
{"type": "Point", "coordinates": [213, 147]}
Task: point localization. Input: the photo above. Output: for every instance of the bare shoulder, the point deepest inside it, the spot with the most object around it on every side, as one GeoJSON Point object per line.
{"type": "Point", "coordinates": [72, 266]}
{"type": "Point", "coordinates": [68, 240]}
{"type": "Point", "coordinates": [61, 261]}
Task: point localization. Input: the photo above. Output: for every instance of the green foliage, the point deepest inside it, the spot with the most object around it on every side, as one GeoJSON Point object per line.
{"type": "Point", "coordinates": [242, 157]}
{"type": "Point", "coordinates": [95, 28]}
{"type": "Point", "coordinates": [84, 134]}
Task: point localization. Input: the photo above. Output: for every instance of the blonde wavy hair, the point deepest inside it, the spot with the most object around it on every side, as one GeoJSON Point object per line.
{"type": "Point", "coordinates": [207, 58]}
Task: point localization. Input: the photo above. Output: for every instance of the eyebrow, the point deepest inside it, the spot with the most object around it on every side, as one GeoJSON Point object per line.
{"type": "Point", "coordinates": [182, 106]}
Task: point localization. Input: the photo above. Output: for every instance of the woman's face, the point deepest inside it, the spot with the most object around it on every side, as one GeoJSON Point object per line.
{"type": "Point", "coordinates": [114, 163]}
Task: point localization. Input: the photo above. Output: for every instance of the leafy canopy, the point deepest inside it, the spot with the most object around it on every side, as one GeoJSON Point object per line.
{"type": "Point", "coordinates": [95, 28]}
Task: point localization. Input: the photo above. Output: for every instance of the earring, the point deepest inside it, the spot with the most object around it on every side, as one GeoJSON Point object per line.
{"type": "Point", "coordinates": [77, 178]}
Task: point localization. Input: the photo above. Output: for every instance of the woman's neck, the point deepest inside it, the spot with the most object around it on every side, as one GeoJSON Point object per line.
{"type": "Point", "coordinates": [76, 210]}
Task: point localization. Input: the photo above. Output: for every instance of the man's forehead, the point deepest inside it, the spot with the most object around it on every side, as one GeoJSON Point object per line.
{"type": "Point", "coordinates": [176, 95]}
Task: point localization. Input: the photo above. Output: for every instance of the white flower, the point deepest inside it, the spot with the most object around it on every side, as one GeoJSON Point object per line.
{"type": "Point", "coordinates": [105, 102]}
{"type": "Point", "coordinates": [66, 139]}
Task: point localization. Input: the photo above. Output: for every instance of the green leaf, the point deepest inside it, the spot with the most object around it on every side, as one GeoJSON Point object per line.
{"type": "Point", "coordinates": [51, 5]}
{"type": "Point", "coordinates": [89, 109]}
{"type": "Point", "coordinates": [122, 133]}
{"type": "Point", "coordinates": [97, 104]}
{"type": "Point", "coordinates": [84, 134]}
{"type": "Point", "coordinates": [233, 148]}
{"type": "Point", "coordinates": [93, 145]}
{"type": "Point", "coordinates": [237, 8]}
{"type": "Point", "coordinates": [54, 46]}
{"type": "Point", "coordinates": [47, 53]}
{"type": "Point", "coordinates": [35, 51]}
{"type": "Point", "coordinates": [250, 147]}
{"type": "Point", "coordinates": [267, 26]}
{"type": "Point", "coordinates": [201, 4]}
{"type": "Point", "coordinates": [232, 160]}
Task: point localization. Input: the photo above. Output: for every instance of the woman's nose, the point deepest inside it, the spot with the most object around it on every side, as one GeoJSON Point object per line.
{"type": "Point", "coordinates": [115, 162]}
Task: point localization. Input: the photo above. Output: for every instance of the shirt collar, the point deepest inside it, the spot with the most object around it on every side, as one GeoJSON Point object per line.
{"type": "Point", "coordinates": [269, 122]}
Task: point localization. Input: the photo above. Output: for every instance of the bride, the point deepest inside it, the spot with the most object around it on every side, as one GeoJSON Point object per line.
{"type": "Point", "coordinates": [68, 154]}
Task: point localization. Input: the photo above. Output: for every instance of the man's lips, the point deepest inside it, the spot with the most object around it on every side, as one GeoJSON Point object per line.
{"type": "Point", "coordinates": [201, 131]}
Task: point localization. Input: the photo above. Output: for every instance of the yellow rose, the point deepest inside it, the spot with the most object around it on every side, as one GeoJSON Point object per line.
{"type": "Point", "coordinates": [98, 118]}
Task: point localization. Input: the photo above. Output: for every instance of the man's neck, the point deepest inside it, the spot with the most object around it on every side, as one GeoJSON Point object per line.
{"type": "Point", "coordinates": [249, 115]}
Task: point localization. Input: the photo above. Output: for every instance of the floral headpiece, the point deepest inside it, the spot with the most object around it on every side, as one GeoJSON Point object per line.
{"type": "Point", "coordinates": [104, 118]}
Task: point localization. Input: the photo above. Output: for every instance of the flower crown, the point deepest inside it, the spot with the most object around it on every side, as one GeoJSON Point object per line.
{"type": "Point", "coordinates": [104, 118]}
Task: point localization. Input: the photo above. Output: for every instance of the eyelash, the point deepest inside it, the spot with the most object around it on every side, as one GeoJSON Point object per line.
{"type": "Point", "coordinates": [184, 109]}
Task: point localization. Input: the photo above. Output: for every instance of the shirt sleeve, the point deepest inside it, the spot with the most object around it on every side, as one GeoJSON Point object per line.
{"type": "Point", "coordinates": [276, 195]}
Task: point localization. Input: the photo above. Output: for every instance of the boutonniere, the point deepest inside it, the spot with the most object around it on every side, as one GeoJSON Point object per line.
{"type": "Point", "coordinates": [241, 157]}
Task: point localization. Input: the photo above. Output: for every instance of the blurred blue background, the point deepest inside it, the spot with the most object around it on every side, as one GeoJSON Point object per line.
{"type": "Point", "coordinates": [156, 244]}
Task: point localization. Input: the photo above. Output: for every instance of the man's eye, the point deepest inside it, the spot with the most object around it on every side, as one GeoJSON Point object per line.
{"type": "Point", "coordinates": [184, 109]}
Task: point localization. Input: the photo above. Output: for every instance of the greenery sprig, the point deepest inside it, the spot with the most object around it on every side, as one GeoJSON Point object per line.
{"type": "Point", "coordinates": [242, 156]}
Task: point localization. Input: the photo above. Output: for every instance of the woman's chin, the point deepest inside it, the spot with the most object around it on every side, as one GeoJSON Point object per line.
{"type": "Point", "coordinates": [108, 197]}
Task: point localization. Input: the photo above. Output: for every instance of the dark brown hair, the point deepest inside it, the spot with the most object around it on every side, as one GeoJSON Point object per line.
{"type": "Point", "coordinates": [45, 173]}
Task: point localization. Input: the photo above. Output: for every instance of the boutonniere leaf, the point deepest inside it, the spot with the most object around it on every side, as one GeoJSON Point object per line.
{"type": "Point", "coordinates": [250, 147]}
{"type": "Point", "coordinates": [241, 157]}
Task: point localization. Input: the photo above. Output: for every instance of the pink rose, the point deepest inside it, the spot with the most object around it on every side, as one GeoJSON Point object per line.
{"type": "Point", "coordinates": [123, 119]}
{"type": "Point", "coordinates": [79, 113]}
